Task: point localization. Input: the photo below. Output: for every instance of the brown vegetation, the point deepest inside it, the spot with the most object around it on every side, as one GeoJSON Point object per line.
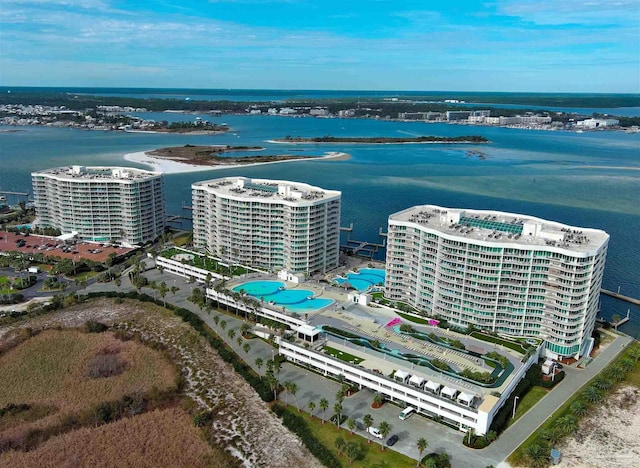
{"type": "Point", "coordinates": [164, 438]}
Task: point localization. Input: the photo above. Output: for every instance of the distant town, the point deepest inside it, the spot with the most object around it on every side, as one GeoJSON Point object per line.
{"type": "Point", "coordinates": [119, 118]}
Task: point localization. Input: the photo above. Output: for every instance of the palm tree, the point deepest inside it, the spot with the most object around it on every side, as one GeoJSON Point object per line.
{"type": "Point", "coordinates": [602, 383]}
{"type": "Point", "coordinates": [353, 452]}
{"type": "Point", "coordinates": [239, 340]}
{"type": "Point", "coordinates": [616, 373]}
{"type": "Point", "coordinates": [537, 455]}
{"type": "Point", "coordinates": [338, 409]}
{"type": "Point", "coordinates": [259, 362]}
{"type": "Point", "coordinates": [385, 429]}
{"type": "Point", "coordinates": [312, 406]}
{"type": "Point", "coordinates": [567, 425]}
{"type": "Point", "coordinates": [340, 444]}
{"type": "Point", "coordinates": [592, 394]}
{"type": "Point", "coordinates": [293, 389]}
{"type": "Point", "coordinates": [634, 352]}
{"type": "Point", "coordinates": [579, 408]}
{"type": "Point", "coordinates": [351, 424]}
{"type": "Point", "coordinates": [627, 365]}
{"type": "Point", "coordinates": [231, 334]}
{"type": "Point", "coordinates": [216, 319]}
{"type": "Point", "coordinates": [378, 399]}
{"type": "Point", "coordinates": [246, 347]}
{"type": "Point", "coordinates": [244, 328]}
{"type": "Point", "coordinates": [422, 445]}
{"type": "Point", "coordinates": [223, 324]}
{"type": "Point", "coordinates": [368, 422]}
{"type": "Point", "coordinates": [273, 383]}
{"type": "Point", "coordinates": [287, 387]}
{"type": "Point", "coordinates": [324, 404]}
{"type": "Point", "coordinates": [553, 435]}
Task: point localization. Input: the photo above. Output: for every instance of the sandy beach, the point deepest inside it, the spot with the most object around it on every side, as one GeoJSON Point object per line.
{"type": "Point", "coordinates": [168, 166]}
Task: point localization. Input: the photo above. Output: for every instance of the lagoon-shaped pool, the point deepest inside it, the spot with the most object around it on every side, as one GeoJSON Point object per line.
{"type": "Point", "coordinates": [364, 279]}
{"type": "Point", "coordinates": [300, 301]}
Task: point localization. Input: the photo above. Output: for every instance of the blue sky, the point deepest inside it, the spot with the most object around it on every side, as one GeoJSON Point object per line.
{"type": "Point", "coordinates": [525, 45]}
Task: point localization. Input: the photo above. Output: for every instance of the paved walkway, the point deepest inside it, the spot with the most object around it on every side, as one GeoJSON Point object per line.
{"type": "Point", "coordinates": [313, 387]}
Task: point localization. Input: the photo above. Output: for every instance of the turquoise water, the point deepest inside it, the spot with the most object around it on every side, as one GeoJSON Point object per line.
{"type": "Point", "coordinates": [294, 300]}
{"type": "Point", "coordinates": [364, 278]}
{"type": "Point", "coordinates": [578, 179]}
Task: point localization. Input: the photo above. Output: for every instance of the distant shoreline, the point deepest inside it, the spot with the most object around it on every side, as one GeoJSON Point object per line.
{"type": "Point", "coordinates": [466, 140]}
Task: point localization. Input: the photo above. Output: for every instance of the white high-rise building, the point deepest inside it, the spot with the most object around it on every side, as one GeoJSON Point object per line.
{"type": "Point", "coordinates": [120, 204]}
{"type": "Point", "coordinates": [270, 224]}
{"type": "Point", "coordinates": [507, 273]}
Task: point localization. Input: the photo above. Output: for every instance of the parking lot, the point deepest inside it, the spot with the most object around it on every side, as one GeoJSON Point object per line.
{"type": "Point", "coordinates": [51, 246]}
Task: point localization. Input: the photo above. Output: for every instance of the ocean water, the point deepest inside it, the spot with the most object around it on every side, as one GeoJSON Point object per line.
{"type": "Point", "coordinates": [588, 179]}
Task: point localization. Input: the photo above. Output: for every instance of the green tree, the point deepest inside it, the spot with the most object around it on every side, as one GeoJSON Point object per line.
{"type": "Point", "coordinates": [368, 422]}
{"type": "Point", "coordinates": [216, 319]}
{"type": "Point", "coordinates": [223, 324]}
{"type": "Point", "coordinates": [351, 424]}
{"type": "Point", "coordinates": [293, 389]}
{"type": "Point", "coordinates": [353, 451]}
{"type": "Point", "coordinates": [592, 394]}
{"type": "Point", "coordinates": [626, 365]}
{"type": "Point", "coordinates": [579, 408]}
{"type": "Point", "coordinates": [602, 383]}
{"type": "Point", "coordinates": [422, 445]}
{"type": "Point", "coordinates": [634, 352]}
{"type": "Point", "coordinates": [259, 362]}
{"type": "Point", "coordinates": [246, 348]}
{"type": "Point", "coordinates": [567, 425]}
{"type": "Point", "coordinates": [385, 429]}
{"type": "Point", "coordinates": [324, 404]}
{"type": "Point", "coordinates": [378, 399]}
{"type": "Point", "coordinates": [312, 406]}
{"type": "Point", "coordinates": [537, 455]}
{"type": "Point", "coordinates": [231, 334]}
{"type": "Point", "coordinates": [244, 329]}
{"type": "Point", "coordinates": [239, 340]}
{"type": "Point", "coordinates": [338, 410]}
{"type": "Point", "coordinates": [340, 445]}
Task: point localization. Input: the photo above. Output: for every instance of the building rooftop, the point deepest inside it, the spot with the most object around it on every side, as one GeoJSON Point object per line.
{"type": "Point", "coordinates": [502, 228]}
{"type": "Point", "coordinates": [264, 189]}
{"type": "Point", "coordinates": [97, 172]}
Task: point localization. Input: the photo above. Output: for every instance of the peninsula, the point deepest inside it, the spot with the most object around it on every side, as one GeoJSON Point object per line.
{"type": "Point", "coordinates": [193, 158]}
{"type": "Point", "coordinates": [385, 140]}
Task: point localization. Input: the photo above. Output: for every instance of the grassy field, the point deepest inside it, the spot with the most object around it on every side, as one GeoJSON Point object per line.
{"type": "Point", "coordinates": [533, 396]}
{"type": "Point", "coordinates": [51, 369]}
{"type": "Point", "coordinates": [413, 319]}
{"type": "Point", "coordinates": [343, 356]}
{"type": "Point", "coordinates": [494, 339]}
{"type": "Point", "coordinates": [328, 432]}
{"type": "Point", "coordinates": [164, 438]}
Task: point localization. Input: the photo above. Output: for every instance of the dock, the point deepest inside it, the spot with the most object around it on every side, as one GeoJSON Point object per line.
{"type": "Point", "coordinates": [622, 297]}
{"type": "Point", "coordinates": [621, 321]}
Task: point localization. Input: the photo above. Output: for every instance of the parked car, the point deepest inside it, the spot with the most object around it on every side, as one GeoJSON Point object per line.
{"type": "Point", "coordinates": [375, 432]}
{"type": "Point", "coordinates": [392, 440]}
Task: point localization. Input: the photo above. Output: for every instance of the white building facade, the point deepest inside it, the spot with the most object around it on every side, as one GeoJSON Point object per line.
{"type": "Point", "coordinates": [120, 204]}
{"type": "Point", "coordinates": [511, 274]}
{"type": "Point", "coordinates": [269, 224]}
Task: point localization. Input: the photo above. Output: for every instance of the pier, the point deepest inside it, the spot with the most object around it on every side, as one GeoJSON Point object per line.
{"type": "Point", "coordinates": [621, 321]}
{"type": "Point", "coordinates": [622, 297]}
{"type": "Point", "coordinates": [367, 248]}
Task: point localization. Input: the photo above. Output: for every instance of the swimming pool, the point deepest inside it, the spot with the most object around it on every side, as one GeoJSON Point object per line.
{"type": "Point", "coordinates": [364, 278]}
{"type": "Point", "coordinates": [300, 301]}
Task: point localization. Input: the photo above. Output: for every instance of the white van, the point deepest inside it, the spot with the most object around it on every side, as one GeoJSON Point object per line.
{"type": "Point", "coordinates": [375, 432]}
{"type": "Point", "coordinates": [408, 411]}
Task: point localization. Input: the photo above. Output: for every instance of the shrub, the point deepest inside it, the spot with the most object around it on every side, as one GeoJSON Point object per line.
{"type": "Point", "coordinates": [106, 365]}
{"type": "Point", "coordinates": [93, 326]}
{"type": "Point", "coordinates": [298, 426]}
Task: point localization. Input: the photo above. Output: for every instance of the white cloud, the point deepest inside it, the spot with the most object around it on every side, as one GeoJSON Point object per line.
{"type": "Point", "coordinates": [578, 12]}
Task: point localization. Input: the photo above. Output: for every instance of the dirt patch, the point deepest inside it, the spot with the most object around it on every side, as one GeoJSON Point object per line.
{"type": "Point", "coordinates": [610, 437]}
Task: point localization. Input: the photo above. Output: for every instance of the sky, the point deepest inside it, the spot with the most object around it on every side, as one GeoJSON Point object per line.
{"type": "Point", "coordinates": [425, 45]}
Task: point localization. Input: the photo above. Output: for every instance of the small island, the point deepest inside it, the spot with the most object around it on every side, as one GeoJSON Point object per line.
{"type": "Point", "coordinates": [385, 140]}
{"type": "Point", "coordinates": [213, 155]}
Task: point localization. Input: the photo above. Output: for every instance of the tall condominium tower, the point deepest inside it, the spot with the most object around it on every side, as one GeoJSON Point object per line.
{"type": "Point", "coordinates": [507, 273]}
{"type": "Point", "coordinates": [270, 224]}
{"type": "Point", "coordinates": [101, 203]}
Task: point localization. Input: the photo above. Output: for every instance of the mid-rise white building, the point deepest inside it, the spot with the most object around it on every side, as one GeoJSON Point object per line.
{"type": "Point", "coordinates": [511, 274]}
{"type": "Point", "coordinates": [270, 224]}
{"type": "Point", "coordinates": [120, 204]}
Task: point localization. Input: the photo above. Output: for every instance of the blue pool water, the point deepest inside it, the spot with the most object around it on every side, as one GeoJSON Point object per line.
{"type": "Point", "coordinates": [294, 300]}
{"type": "Point", "coordinates": [364, 278]}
